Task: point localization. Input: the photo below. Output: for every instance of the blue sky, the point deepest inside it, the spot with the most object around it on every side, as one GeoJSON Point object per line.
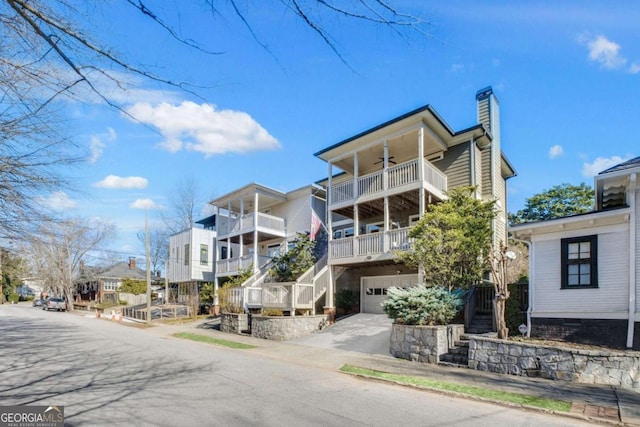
{"type": "Point", "coordinates": [567, 76]}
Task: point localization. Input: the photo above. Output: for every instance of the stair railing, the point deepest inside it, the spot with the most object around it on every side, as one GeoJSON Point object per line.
{"type": "Point", "coordinates": [470, 306]}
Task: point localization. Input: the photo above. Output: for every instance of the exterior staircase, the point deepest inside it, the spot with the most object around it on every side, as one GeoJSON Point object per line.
{"type": "Point", "coordinates": [458, 355]}
{"type": "Point", "coordinates": [480, 324]}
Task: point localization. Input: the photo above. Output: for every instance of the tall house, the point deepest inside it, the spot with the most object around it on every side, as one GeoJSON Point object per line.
{"type": "Point", "coordinates": [381, 181]}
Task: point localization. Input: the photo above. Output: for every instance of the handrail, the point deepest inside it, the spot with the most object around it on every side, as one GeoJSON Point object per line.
{"type": "Point", "coordinates": [470, 306]}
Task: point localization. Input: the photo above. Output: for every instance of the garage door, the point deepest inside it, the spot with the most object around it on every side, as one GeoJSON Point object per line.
{"type": "Point", "coordinates": [374, 289]}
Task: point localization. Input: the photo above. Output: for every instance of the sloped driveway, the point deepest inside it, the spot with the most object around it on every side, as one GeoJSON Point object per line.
{"type": "Point", "coordinates": [362, 333]}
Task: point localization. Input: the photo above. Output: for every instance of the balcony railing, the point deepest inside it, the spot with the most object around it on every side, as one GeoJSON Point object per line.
{"type": "Point", "coordinates": [247, 224]}
{"type": "Point", "coordinates": [235, 265]}
{"type": "Point", "coordinates": [370, 244]}
{"type": "Point", "coordinates": [397, 176]}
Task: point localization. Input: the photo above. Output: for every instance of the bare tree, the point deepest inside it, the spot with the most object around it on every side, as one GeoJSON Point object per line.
{"type": "Point", "coordinates": [60, 247]}
{"type": "Point", "coordinates": [158, 246]}
{"type": "Point", "coordinates": [183, 202]}
{"type": "Point", "coordinates": [50, 52]}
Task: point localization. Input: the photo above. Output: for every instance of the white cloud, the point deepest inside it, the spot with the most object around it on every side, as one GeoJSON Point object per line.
{"type": "Point", "coordinates": [58, 201]}
{"type": "Point", "coordinates": [556, 151]}
{"type": "Point", "coordinates": [118, 182]}
{"type": "Point", "coordinates": [145, 204]}
{"type": "Point", "coordinates": [456, 68]}
{"type": "Point", "coordinates": [96, 146]}
{"type": "Point", "coordinates": [600, 164]}
{"type": "Point", "coordinates": [607, 53]}
{"type": "Point", "coordinates": [202, 128]}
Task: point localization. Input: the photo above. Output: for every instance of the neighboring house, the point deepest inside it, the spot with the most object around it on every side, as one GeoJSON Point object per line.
{"type": "Point", "coordinates": [381, 182]}
{"type": "Point", "coordinates": [258, 223]}
{"type": "Point", "coordinates": [192, 254]}
{"type": "Point", "coordinates": [98, 284]}
{"type": "Point", "coordinates": [583, 269]}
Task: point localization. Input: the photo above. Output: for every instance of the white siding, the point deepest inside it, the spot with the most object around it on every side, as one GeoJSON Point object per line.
{"type": "Point", "coordinates": [637, 260]}
{"type": "Point", "coordinates": [297, 214]}
{"type": "Point", "coordinates": [609, 300]}
{"type": "Point", "coordinates": [193, 270]}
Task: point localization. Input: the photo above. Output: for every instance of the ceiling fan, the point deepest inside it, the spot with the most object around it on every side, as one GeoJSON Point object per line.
{"type": "Point", "coordinates": [382, 160]}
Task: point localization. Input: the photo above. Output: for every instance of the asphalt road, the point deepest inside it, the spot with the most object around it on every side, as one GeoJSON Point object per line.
{"type": "Point", "coordinates": [109, 374]}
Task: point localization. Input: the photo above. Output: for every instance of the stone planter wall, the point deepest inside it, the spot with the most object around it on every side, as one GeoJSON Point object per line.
{"type": "Point", "coordinates": [282, 328]}
{"type": "Point", "coordinates": [423, 343]}
{"type": "Point", "coordinates": [558, 363]}
{"type": "Point", "coordinates": [234, 323]}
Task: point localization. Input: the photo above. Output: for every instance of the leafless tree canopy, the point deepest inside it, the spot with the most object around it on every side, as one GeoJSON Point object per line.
{"type": "Point", "coordinates": [49, 54]}
{"type": "Point", "coordinates": [56, 254]}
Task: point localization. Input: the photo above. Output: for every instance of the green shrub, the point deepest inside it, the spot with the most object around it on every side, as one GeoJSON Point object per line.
{"type": "Point", "coordinates": [123, 302]}
{"type": "Point", "coordinates": [272, 312]}
{"type": "Point", "coordinates": [421, 305]}
{"type": "Point", "coordinates": [13, 298]}
{"type": "Point", "coordinates": [514, 317]}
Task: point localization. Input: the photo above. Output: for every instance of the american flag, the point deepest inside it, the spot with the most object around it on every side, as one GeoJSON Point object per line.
{"type": "Point", "coordinates": [316, 223]}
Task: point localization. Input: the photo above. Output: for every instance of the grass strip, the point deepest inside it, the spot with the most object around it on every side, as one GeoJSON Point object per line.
{"type": "Point", "coordinates": [211, 340]}
{"type": "Point", "coordinates": [485, 393]}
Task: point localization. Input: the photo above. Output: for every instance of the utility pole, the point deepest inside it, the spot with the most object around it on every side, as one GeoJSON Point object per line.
{"type": "Point", "coordinates": [147, 250]}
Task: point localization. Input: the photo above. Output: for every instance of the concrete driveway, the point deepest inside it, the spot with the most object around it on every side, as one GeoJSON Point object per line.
{"type": "Point", "coordinates": [362, 333]}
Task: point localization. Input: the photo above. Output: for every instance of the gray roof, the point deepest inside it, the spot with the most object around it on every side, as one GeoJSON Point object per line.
{"type": "Point", "coordinates": [121, 270]}
{"type": "Point", "coordinates": [629, 164]}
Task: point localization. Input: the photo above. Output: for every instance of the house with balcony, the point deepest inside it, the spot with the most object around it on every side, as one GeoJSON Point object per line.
{"type": "Point", "coordinates": [191, 259]}
{"type": "Point", "coordinates": [257, 223]}
{"type": "Point", "coordinates": [381, 181]}
{"type": "Point", "coordinates": [584, 269]}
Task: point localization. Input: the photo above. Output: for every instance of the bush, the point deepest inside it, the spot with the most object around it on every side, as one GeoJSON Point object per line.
{"type": "Point", "coordinates": [272, 312]}
{"type": "Point", "coordinates": [13, 298]}
{"type": "Point", "coordinates": [514, 316]}
{"type": "Point", "coordinates": [420, 305]}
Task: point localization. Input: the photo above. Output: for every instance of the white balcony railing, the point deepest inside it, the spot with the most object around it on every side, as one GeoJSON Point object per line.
{"type": "Point", "coordinates": [370, 244]}
{"type": "Point", "coordinates": [397, 176]}
{"type": "Point", "coordinates": [234, 265]}
{"type": "Point", "coordinates": [247, 224]}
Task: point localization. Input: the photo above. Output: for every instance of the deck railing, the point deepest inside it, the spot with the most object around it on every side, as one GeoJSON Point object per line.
{"type": "Point", "coordinates": [370, 244]}
{"type": "Point", "coordinates": [248, 223]}
{"type": "Point", "coordinates": [397, 176]}
{"type": "Point", "coordinates": [233, 265]}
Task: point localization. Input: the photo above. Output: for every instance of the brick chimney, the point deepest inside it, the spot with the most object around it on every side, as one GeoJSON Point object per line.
{"type": "Point", "coordinates": [132, 263]}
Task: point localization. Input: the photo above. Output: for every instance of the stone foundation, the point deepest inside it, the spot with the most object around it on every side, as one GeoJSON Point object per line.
{"type": "Point", "coordinates": [234, 323]}
{"type": "Point", "coordinates": [609, 367]}
{"type": "Point", "coordinates": [423, 343]}
{"type": "Point", "coordinates": [282, 328]}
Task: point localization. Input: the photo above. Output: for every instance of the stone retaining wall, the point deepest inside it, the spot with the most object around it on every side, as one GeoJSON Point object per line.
{"type": "Point", "coordinates": [558, 363]}
{"type": "Point", "coordinates": [282, 328]}
{"type": "Point", "coordinates": [423, 343]}
{"type": "Point", "coordinates": [234, 323]}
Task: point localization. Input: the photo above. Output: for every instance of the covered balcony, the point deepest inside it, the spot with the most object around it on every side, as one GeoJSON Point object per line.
{"type": "Point", "coordinates": [396, 179]}
{"type": "Point", "coordinates": [234, 266]}
{"type": "Point", "coordinates": [368, 247]}
{"type": "Point", "coordinates": [253, 222]}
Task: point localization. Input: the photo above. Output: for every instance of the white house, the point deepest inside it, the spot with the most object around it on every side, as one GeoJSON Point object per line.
{"type": "Point", "coordinates": [382, 180]}
{"type": "Point", "coordinates": [191, 254]}
{"type": "Point", "coordinates": [583, 269]}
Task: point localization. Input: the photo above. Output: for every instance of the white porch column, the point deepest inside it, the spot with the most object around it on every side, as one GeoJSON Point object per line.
{"type": "Point", "coordinates": [387, 221]}
{"type": "Point", "coordinates": [355, 175]}
{"type": "Point", "coordinates": [632, 259]}
{"type": "Point", "coordinates": [241, 254]}
{"type": "Point", "coordinates": [385, 166]}
{"type": "Point", "coordinates": [256, 267]}
{"type": "Point", "coordinates": [356, 229]}
{"type": "Point", "coordinates": [229, 218]}
{"type": "Point", "coordinates": [331, 288]}
{"type": "Point", "coordinates": [421, 199]}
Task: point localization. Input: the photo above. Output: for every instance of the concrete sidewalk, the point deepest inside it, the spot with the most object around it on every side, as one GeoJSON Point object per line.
{"type": "Point", "coordinates": [597, 403]}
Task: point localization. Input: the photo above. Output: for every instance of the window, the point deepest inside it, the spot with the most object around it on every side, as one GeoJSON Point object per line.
{"type": "Point", "coordinates": [579, 262]}
{"type": "Point", "coordinates": [273, 250]}
{"type": "Point", "coordinates": [204, 254]}
{"type": "Point", "coordinates": [111, 285]}
{"type": "Point", "coordinates": [186, 254]}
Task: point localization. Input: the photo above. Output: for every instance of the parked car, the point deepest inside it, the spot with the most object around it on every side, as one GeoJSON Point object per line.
{"type": "Point", "coordinates": [57, 304]}
{"type": "Point", "coordinates": [38, 302]}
